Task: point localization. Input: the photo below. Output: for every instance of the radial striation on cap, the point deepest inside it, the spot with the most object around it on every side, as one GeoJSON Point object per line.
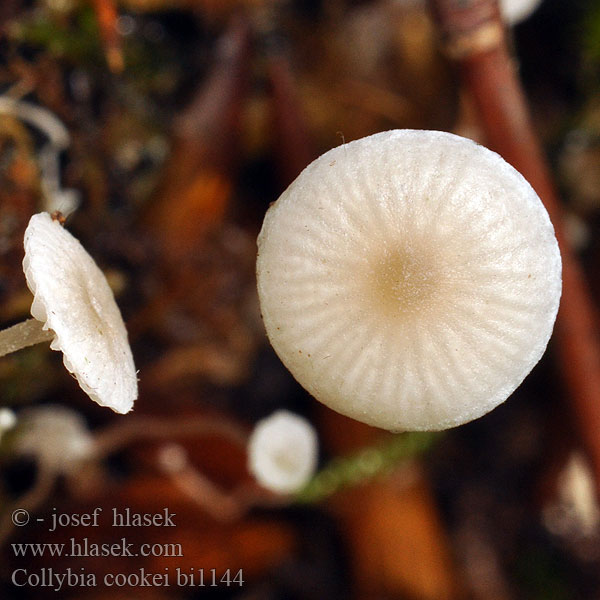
{"type": "Point", "coordinates": [409, 279]}
{"type": "Point", "coordinates": [74, 300]}
{"type": "Point", "coordinates": [283, 452]}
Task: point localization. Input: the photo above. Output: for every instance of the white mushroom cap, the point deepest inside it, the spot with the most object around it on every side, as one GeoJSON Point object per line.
{"type": "Point", "coordinates": [409, 279]}
{"type": "Point", "coordinates": [74, 300]}
{"type": "Point", "coordinates": [56, 436]}
{"type": "Point", "coordinates": [282, 452]}
{"type": "Point", "coordinates": [515, 11]}
{"type": "Point", "coordinates": [8, 420]}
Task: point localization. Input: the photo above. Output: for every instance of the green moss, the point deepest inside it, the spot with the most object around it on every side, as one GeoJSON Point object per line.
{"type": "Point", "coordinates": [75, 38]}
{"type": "Point", "coordinates": [365, 464]}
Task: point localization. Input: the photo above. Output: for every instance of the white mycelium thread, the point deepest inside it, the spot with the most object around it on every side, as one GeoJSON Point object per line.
{"type": "Point", "coordinates": [409, 279]}
{"type": "Point", "coordinates": [74, 300]}
{"type": "Point", "coordinates": [282, 452]}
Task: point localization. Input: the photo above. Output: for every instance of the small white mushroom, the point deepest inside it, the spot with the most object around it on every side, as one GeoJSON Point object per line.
{"type": "Point", "coordinates": [282, 452]}
{"type": "Point", "coordinates": [409, 279]}
{"type": "Point", "coordinates": [74, 307]}
{"type": "Point", "coordinates": [8, 420]}
{"type": "Point", "coordinates": [515, 11]}
{"type": "Point", "coordinates": [59, 442]}
{"type": "Point", "coordinates": [57, 437]}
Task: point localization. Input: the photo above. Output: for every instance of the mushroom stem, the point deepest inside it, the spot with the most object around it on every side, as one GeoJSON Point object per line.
{"type": "Point", "coordinates": [195, 485]}
{"type": "Point", "coordinates": [21, 335]}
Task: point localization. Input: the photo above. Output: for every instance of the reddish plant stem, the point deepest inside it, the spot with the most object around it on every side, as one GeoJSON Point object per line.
{"type": "Point", "coordinates": [293, 139]}
{"type": "Point", "coordinates": [114, 437]}
{"type": "Point", "coordinates": [475, 39]}
{"type": "Point", "coordinates": [212, 118]}
{"type": "Point", "coordinates": [106, 13]}
{"type": "Point", "coordinates": [194, 192]}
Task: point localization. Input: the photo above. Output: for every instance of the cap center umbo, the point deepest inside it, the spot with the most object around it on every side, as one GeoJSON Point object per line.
{"type": "Point", "coordinates": [404, 282]}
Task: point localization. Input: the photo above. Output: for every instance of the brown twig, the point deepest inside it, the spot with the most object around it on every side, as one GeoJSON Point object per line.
{"type": "Point", "coordinates": [117, 436]}
{"type": "Point", "coordinates": [474, 38]}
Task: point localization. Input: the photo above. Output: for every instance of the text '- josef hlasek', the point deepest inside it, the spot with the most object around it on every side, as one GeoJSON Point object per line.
{"type": "Point", "coordinates": [119, 518]}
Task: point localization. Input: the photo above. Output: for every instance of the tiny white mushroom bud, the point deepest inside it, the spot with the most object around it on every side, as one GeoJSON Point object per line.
{"type": "Point", "coordinates": [515, 11]}
{"type": "Point", "coordinates": [577, 494]}
{"type": "Point", "coordinates": [57, 437]}
{"type": "Point", "coordinates": [409, 279]}
{"type": "Point", "coordinates": [74, 301]}
{"type": "Point", "coordinates": [282, 452]}
{"type": "Point", "coordinates": [512, 11]}
{"type": "Point", "coordinates": [8, 420]}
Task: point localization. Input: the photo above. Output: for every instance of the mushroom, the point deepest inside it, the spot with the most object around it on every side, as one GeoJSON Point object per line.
{"type": "Point", "coordinates": [409, 279]}
{"type": "Point", "coordinates": [74, 307]}
{"type": "Point", "coordinates": [57, 437]}
{"type": "Point", "coordinates": [515, 11]}
{"type": "Point", "coordinates": [282, 452]}
{"type": "Point", "coordinates": [59, 442]}
{"type": "Point", "coordinates": [8, 420]}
